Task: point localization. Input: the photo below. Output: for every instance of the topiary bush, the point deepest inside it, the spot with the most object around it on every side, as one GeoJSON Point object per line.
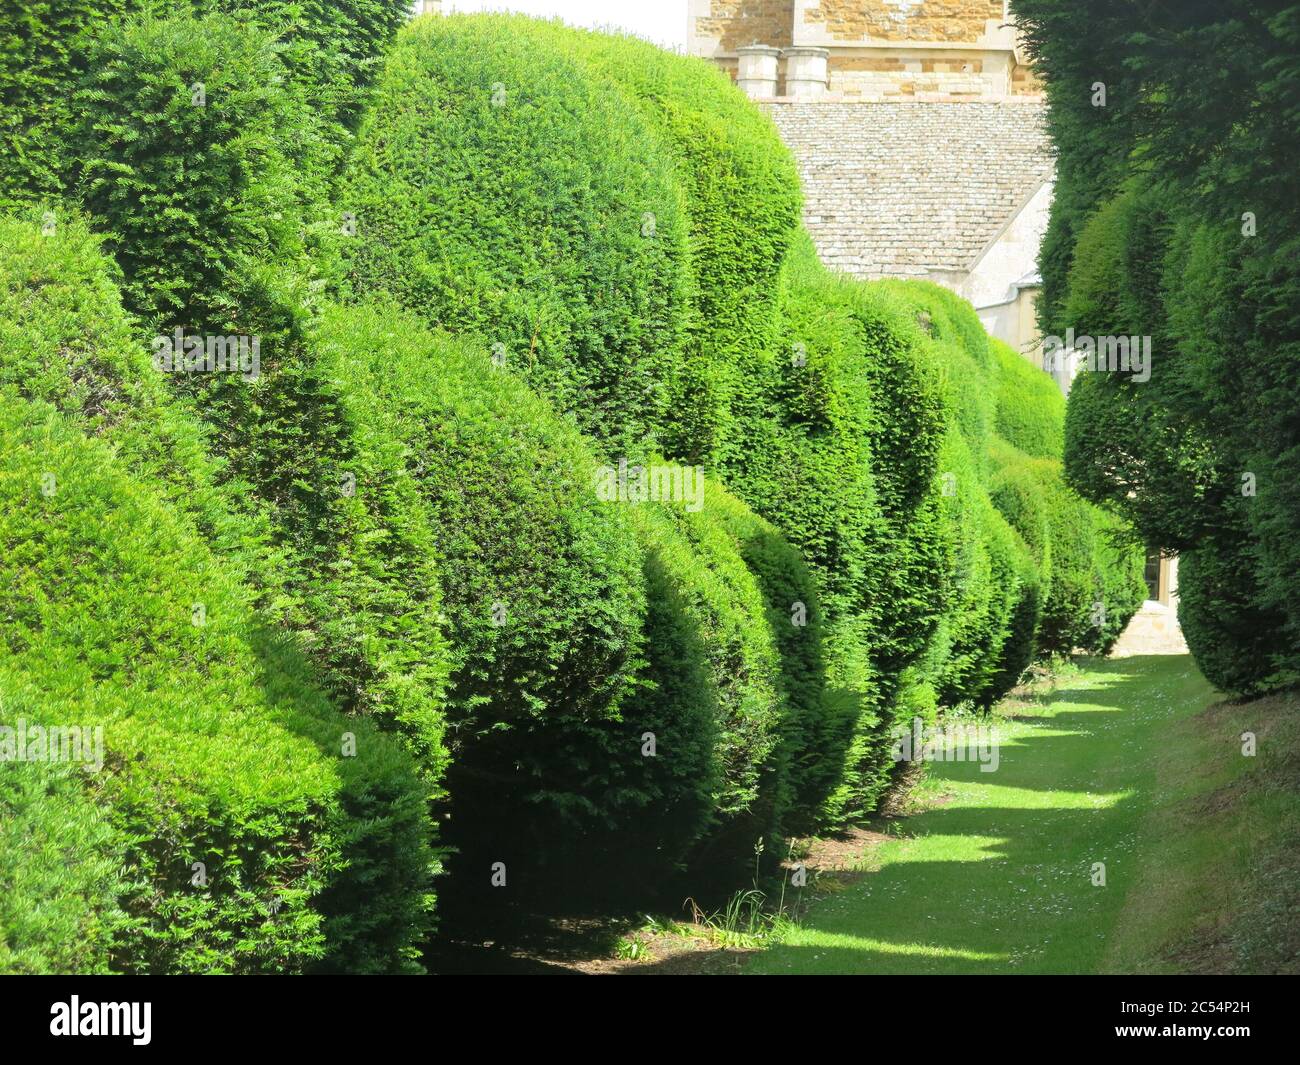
{"type": "Point", "coordinates": [65, 341]}
{"type": "Point", "coordinates": [983, 581]}
{"type": "Point", "coordinates": [330, 51]}
{"type": "Point", "coordinates": [961, 356]}
{"type": "Point", "coordinates": [840, 456]}
{"type": "Point", "coordinates": [1030, 407]}
{"type": "Point", "coordinates": [60, 868]}
{"type": "Point", "coordinates": [542, 586]}
{"type": "Point", "coordinates": [185, 126]}
{"type": "Point", "coordinates": [742, 201]}
{"type": "Point", "coordinates": [722, 606]}
{"type": "Point", "coordinates": [220, 750]}
{"type": "Point", "coordinates": [498, 189]}
{"type": "Point", "coordinates": [589, 625]}
{"type": "Point", "coordinates": [812, 740]}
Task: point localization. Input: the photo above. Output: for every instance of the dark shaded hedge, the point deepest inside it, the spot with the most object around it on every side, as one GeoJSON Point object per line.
{"type": "Point", "coordinates": [554, 229]}
{"type": "Point", "coordinates": [220, 749]}
{"type": "Point", "coordinates": [1179, 222]}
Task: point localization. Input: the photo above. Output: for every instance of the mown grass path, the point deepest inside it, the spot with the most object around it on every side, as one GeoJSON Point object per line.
{"type": "Point", "coordinates": [995, 876]}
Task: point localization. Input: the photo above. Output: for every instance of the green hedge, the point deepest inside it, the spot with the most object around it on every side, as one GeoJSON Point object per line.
{"type": "Point", "coordinates": [742, 201]}
{"type": "Point", "coordinates": [330, 49]}
{"type": "Point", "coordinates": [1030, 406]}
{"type": "Point", "coordinates": [812, 738]}
{"type": "Point", "coordinates": [720, 606]}
{"type": "Point", "coordinates": [64, 340]}
{"type": "Point", "coordinates": [1033, 495]}
{"type": "Point", "coordinates": [42, 52]}
{"type": "Point", "coordinates": [219, 748]}
{"type": "Point", "coordinates": [222, 250]}
{"type": "Point", "coordinates": [962, 356]}
{"type": "Point", "coordinates": [620, 620]}
{"type": "Point", "coordinates": [202, 206]}
{"type": "Point", "coordinates": [983, 581]}
{"type": "Point", "coordinates": [499, 189]}
{"type": "Point", "coordinates": [60, 869]}
{"type": "Point", "coordinates": [840, 456]}
{"type": "Point", "coordinates": [542, 592]}
{"type": "Point", "coordinates": [1175, 217]}
{"type": "Point", "coordinates": [1234, 638]}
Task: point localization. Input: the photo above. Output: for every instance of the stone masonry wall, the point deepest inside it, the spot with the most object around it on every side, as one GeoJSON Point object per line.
{"type": "Point", "coordinates": [737, 23]}
{"type": "Point", "coordinates": [912, 74]}
{"type": "Point", "coordinates": [906, 20]}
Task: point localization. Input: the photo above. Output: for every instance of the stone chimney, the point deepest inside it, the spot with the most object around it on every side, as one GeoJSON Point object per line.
{"type": "Point", "coordinates": [806, 72]}
{"type": "Point", "coordinates": [758, 71]}
{"type": "Point", "coordinates": [426, 7]}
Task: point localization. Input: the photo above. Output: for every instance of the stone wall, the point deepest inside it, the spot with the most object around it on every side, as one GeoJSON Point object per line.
{"type": "Point", "coordinates": [732, 24]}
{"type": "Point", "coordinates": [878, 49]}
{"type": "Point", "coordinates": [909, 74]}
{"type": "Point", "coordinates": [906, 20]}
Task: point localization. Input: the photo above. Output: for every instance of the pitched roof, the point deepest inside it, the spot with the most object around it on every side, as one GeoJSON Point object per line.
{"type": "Point", "coordinates": [896, 189]}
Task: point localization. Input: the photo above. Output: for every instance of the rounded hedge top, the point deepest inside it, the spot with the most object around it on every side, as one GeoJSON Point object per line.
{"type": "Point", "coordinates": [1030, 406]}
{"type": "Point", "coordinates": [497, 188]}
{"type": "Point", "coordinates": [743, 201]}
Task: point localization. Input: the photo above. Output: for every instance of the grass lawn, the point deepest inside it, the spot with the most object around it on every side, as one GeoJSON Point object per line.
{"type": "Point", "coordinates": [1131, 763]}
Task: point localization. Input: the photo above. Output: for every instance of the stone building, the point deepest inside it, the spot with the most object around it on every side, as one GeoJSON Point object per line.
{"type": "Point", "coordinates": [873, 49]}
{"type": "Point", "coordinates": [918, 129]}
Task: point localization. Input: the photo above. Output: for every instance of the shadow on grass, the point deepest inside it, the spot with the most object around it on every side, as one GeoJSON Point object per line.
{"type": "Point", "coordinates": [1003, 882]}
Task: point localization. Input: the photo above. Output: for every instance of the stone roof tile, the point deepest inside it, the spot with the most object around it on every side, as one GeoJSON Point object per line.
{"type": "Point", "coordinates": [896, 189]}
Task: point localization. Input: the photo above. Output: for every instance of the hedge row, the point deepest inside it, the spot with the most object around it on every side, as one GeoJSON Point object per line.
{"type": "Point", "coordinates": [257, 829]}
{"type": "Point", "coordinates": [820, 401]}
{"type": "Point", "coordinates": [1182, 228]}
{"type": "Point", "coordinates": [572, 254]}
{"type": "Point", "coordinates": [330, 49]}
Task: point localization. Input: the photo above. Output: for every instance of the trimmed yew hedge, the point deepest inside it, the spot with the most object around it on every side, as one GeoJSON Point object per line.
{"type": "Point", "coordinates": [330, 49]}
{"type": "Point", "coordinates": [742, 201]}
{"type": "Point", "coordinates": [569, 250]}
{"type": "Point", "coordinates": [554, 231]}
{"type": "Point", "coordinates": [220, 750]}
